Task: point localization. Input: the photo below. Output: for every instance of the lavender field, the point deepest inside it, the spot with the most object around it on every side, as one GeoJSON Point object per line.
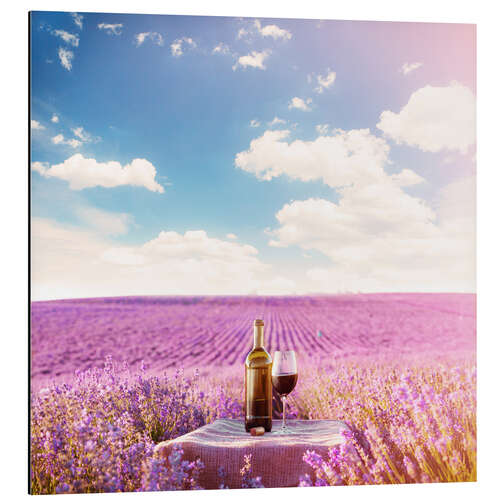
{"type": "Point", "coordinates": [112, 377]}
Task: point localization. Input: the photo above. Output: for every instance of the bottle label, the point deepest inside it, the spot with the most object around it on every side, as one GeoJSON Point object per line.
{"type": "Point", "coordinates": [258, 402]}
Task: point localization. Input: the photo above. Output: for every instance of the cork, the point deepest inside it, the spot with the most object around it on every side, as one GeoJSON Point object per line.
{"type": "Point", "coordinates": [257, 431]}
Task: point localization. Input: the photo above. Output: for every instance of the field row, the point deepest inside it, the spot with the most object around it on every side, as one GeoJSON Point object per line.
{"type": "Point", "coordinates": [207, 332]}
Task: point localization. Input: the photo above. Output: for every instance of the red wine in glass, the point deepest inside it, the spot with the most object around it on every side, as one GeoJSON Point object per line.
{"type": "Point", "coordinates": [284, 377]}
{"type": "Point", "coordinates": [284, 384]}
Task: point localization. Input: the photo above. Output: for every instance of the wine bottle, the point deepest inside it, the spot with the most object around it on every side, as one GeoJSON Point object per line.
{"type": "Point", "coordinates": [258, 386]}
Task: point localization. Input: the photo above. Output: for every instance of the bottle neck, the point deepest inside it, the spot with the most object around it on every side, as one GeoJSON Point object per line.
{"type": "Point", "coordinates": [258, 336]}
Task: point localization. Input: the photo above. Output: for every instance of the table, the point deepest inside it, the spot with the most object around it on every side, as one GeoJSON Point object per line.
{"type": "Point", "coordinates": [276, 458]}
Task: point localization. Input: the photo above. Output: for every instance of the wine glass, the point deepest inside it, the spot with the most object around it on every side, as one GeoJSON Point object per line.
{"type": "Point", "coordinates": [284, 377]}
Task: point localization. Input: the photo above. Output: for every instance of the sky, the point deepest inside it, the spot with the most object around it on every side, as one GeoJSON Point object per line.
{"type": "Point", "coordinates": [215, 155]}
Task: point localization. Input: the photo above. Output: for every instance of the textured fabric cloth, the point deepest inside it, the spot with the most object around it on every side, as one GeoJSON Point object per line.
{"type": "Point", "coordinates": [277, 459]}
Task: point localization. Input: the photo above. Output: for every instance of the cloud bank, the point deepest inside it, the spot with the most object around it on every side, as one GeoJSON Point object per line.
{"type": "Point", "coordinates": [70, 262]}
{"type": "Point", "coordinates": [377, 237]}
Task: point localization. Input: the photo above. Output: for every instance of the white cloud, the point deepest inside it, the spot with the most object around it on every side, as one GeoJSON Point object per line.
{"type": "Point", "coordinates": [363, 213]}
{"type": "Point", "coordinates": [140, 37]}
{"type": "Point", "coordinates": [276, 121]}
{"type": "Point", "coordinates": [71, 262]}
{"type": "Point", "coordinates": [325, 82]}
{"type": "Point", "coordinates": [74, 143]}
{"type": "Point", "coordinates": [272, 30]}
{"type": "Point", "coordinates": [407, 178]}
{"type": "Point", "coordinates": [322, 129]}
{"type": "Point", "coordinates": [457, 200]}
{"type": "Point", "coordinates": [54, 119]}
{"type": "Point", "coordinates": [196, 244]}
{"type": "Point", "coordinates": [231, 236]}
{"type": "Point", "coordinates": [434, 119]}
{"type": "Point", "coordinates": [255, 123]}
{"type": "Point", "coordinates": [155, 38]}
{"type": "Point", "coordinates": [104, 222]}
{"type": "Point", "coordinates": [67, 37]}
{"type": "Point", "coordinates": [59, 139]}
{"type": "Point", "coordinates": [83, 173]}
{"type": "Point", "coordinates": [66, 58]}
{"type": "Point", "coordinates": [254, 60]}
{"type": "Point", "coordinates": [298, 103]}
{"type": "Point", "coordinates": [123, 256]}
{"type": "Point", "coordinates": [83, 135]}
{"type": "Point", "coordinates": [221, 48]}
{"type": "Point", "coordinates": [338, 159]}
{"type": "Point", "coordinates": [57, 255]}
{"type": "Point", "coordinates": [111, 29]}
{"type": "Point", "coordinates": [77, 19]}
{"type": "Point", "coordinates": [456, 211]}
{"type": "Point", "coordinates": [409, 67]}
{"type": "Point", "coordinates": [176, 46]}
{"type": "Point", "coordinates": [242, 32]}
{"type": "Point", "coordinates": [35, 125]}
{"type": "Point", "coordinates": [39, 167]}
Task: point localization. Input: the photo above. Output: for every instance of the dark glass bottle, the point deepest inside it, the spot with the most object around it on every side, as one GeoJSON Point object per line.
{"type": "Point", "coordinates": [258, 385]}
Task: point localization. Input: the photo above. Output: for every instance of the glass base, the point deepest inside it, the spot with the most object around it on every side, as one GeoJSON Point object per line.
{"type": "Point", "coordinates": [283, 430]}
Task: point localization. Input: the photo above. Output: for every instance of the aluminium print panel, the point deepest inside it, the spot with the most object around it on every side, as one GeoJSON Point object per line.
{"type": "Point", "coordinates": [189, 175]}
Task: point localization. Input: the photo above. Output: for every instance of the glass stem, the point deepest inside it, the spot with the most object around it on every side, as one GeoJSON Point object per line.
{"type": "Point", "coordinates": [283, 400]}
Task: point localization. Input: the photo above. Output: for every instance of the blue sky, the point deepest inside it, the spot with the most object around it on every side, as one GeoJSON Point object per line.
{"type": "Point", "coordinates": [187, 96]}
